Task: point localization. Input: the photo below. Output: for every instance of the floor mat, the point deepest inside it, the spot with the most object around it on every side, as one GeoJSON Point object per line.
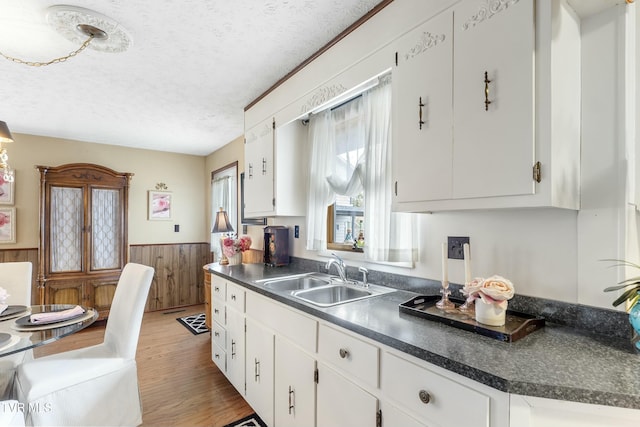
{"type": "Point", "coordinates": [195, 323]}
{"type": "Point", "coordinates": [252, 420]}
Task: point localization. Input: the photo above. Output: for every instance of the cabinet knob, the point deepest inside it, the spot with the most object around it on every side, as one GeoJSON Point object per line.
{"type": "Point", "coordinates": [217, 356]}
{"type": "Point", "coordinates": [216, 311]}
{"type": "Point", "coordinates": [424, 396]}
{"type": "Point", "coordinates": [216, 333]}
{"type": "Point", "coordinates": [217, 289]}
{"type": "Point", "coordinates": [344, 353]}
{"type": "Point", "coordinates": [233, 297]}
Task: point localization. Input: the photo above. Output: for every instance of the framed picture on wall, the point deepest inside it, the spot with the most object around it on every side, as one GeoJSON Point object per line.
{"type": "Point", "coordinates": [159, 205]}
{"type": "Point", "coordinates": [6, 190]}
{"type": "Point", "coordinates": [7, 225]}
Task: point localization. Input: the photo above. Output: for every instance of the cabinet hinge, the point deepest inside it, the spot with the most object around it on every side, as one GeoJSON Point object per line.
{"type": "Point", "coordinates": [396, 59]}
{"type": "Point", "coordinates": [537, 173]}
{"type": "Point", "coordinates": [273, 123]}
{"type": "Point", "coordinates": [379, 418]}
{"type": "Point", "coordinates": [273, 202]}
{"type": "Point", "coordinates": [396, 188]}
{"type": "Point", "coordinates": [315, 376]}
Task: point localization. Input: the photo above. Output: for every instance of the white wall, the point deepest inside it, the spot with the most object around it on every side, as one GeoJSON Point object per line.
{"type": "Point", "coordinates": [181, 173]}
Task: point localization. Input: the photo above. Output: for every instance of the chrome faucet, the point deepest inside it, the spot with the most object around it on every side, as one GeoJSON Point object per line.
{"type": "Point", "coordinates": [365, 274]}
{"type": "Point", "coordinates": [340, 266]}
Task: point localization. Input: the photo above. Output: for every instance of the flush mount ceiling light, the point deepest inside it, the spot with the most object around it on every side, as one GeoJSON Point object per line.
{"type": "Point", "coordinates": [84, 27]}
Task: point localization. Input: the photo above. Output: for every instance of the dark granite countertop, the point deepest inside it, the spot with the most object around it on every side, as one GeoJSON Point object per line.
{"type": "Point", "coordinates": [557, 362]}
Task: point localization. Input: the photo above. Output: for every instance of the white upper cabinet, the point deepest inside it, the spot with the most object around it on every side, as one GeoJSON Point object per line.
{"type": "Point", "coordinates": [274, 169]}
{"type": "Point", "coordinates": [487, 108]}
{"type": "Point", "coordinates": [493, 99]}
{"type": "Point", "coordinates": [422, 112]}
{"type": "Point", "coordinates": [258, 169]}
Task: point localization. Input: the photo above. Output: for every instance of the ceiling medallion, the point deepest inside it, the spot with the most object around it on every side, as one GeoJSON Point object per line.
{"type": "Point", "coordinates": [77, 23]}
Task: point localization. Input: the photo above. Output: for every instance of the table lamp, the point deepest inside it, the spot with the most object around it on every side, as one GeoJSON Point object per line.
{"type": "Point", "coordinates": [222, 225]}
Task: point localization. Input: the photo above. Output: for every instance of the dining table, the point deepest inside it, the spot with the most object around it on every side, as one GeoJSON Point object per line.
{"type": "Point", "coordinates": [19, 332]}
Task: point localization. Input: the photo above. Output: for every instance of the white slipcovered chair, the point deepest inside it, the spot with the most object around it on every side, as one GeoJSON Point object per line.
{"type": "Point", "coordinates": [11, 413]}
{"type": "Point", "coordinates": [97, 385]}
{"type": "Point", "coordinates": [15, 278]}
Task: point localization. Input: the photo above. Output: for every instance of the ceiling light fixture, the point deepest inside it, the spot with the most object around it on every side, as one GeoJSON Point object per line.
{"type": "Point", "coordinates": [85, 27]}
{"type": "Point", "coordinates": [5, 137]}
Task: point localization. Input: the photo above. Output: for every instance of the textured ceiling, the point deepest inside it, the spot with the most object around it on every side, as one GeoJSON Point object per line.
{"type": "Point", "coordinates": [181, 86]}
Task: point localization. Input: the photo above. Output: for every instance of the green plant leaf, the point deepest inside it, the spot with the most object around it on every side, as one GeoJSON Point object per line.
{"type": "Point", "coordinates": [628, 294]}
{"type": "Point", "coordinates": [618, 287]}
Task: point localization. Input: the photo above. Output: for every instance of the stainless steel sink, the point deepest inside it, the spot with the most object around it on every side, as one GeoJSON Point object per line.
{"type": "Point", "coordinates": [329, 295]}
{"type": "Point", "coordinates": [297, 283]}
{"type": "Point", "coordinates": [323, 290]}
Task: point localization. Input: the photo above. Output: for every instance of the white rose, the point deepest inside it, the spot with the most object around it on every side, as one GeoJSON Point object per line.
{"type": "Point", "coordinates": [494, 290]}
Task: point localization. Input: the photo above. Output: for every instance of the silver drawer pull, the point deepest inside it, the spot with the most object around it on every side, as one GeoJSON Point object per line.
{"type": "Point", "coordinates": [216, 333]}
{"type": "Point", "coordinates": [216, 311]}
{"type": "Point", "coordinates": [344, 353]}
{"type": "Point", "coordinates": [424, 396]}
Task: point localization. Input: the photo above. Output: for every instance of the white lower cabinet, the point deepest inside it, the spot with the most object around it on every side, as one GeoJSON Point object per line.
{"type": "Point", "coordinates": [259, 369]}
{"type": "Point", "coordinates": [341, 403]}
{"type": "Point", "coordinates": [235, 349]}
{"type": "Point", "coordinates": [528, 411]}
{"type": "Point", "coordinates": [431, 397]}
{"type": "Point", "coordinates": [295, 388]}
{"type": "Point", "coordinates": [392, 416]}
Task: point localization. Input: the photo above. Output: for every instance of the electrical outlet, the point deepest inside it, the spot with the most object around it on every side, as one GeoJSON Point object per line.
{"type": "Point", "coordinates": [296, 231]}
{"type": "Point", "coordinates": [455, 245]}
{"type": "Point", "coordinates": [176, 228]}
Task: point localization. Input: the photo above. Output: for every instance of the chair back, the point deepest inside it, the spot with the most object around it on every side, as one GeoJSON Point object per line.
{"type": "Point", "coordinates": [127, 308]}
{"type": "Point", "coordinates": [15, 277]}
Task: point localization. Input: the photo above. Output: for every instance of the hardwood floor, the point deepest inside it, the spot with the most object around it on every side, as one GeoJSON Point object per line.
{"type": "Point", "coordinates": [179, 384]}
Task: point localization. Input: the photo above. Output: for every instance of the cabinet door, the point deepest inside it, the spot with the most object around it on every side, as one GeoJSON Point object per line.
{"type": "Point", "coordinates": [394, 417]}
{"type": "Point", "coordinates": [342, 403]}
{"type": "Point", "coordinates": [235, 349]}
{"type": "Point", "coordinates": [493, 151]}
{"type": "Point", "coordinates": [295, 390]}
{"type": "Point", "coordinates": [259, 169]}
{"type": "Point", "coordinates": [422, 112]}
{"type": "Point", "coordinates": [259, 369]}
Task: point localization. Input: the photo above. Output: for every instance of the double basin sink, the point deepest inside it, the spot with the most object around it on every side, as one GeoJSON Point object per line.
{"type": "Point", "coordinates": [322, 289]}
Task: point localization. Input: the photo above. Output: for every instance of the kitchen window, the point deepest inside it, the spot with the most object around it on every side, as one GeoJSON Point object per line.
{"type": "Point", "coordinates": [350, 180]}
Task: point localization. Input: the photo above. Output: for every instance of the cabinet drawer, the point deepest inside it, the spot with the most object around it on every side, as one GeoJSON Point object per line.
{"type": "Point", "coordinates": [235, 297]}
{"type": "Point", "coordinates": [219, 357]}
{"type": "Point", "coordinates": [218, 286]}
{"type": "Point", "coordinates": [349, 354]}
{"type": "Point", "coordinates": [286, 322]}
{"type": "Point", "coordinates": [219, 335]}
{"type": "Point", "coordinates": [407, 383]}
{"type": "Point", "coordinates": [217, 311]}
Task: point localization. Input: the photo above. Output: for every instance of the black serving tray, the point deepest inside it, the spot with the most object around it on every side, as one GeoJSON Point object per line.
{"type": "Point", "coordinates": [517, 324]}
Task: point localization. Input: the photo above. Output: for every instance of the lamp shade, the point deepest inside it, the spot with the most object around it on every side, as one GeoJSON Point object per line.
{"type": "Point", "coordinates": [222, 224]}
{"type": "Point", "coordinates": [5, 134]}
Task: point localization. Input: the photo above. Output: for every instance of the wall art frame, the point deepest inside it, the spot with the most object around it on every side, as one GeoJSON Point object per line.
{"type": "Point", "coordinates": [7, 191]}
{"type": "Point", "coordinates": [160, 205]}
{"type": "Point", "coordinates": [7, 225]}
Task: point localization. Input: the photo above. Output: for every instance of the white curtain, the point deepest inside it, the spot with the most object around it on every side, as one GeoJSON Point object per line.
{"type": "Point", "coordinates": [389, 236]}
{"type": "Point", "coordinates": [351, 152]}
{"type": "Point", "coordinates": [224, 195]}
{"type": "Point", "coordinates": [319, 194]}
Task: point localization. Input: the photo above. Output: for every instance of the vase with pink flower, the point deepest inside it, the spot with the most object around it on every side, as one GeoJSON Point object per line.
{"type": "Point", "coordinates": [491, 298]}
{"type": "Point", "coordinates": [233, 247]}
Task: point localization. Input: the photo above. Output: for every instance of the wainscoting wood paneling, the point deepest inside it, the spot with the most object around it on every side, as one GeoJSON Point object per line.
{"type": "Point", "coordinates": [24, 255]}
{"type": "Point", "coordinates": [179, 279]}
